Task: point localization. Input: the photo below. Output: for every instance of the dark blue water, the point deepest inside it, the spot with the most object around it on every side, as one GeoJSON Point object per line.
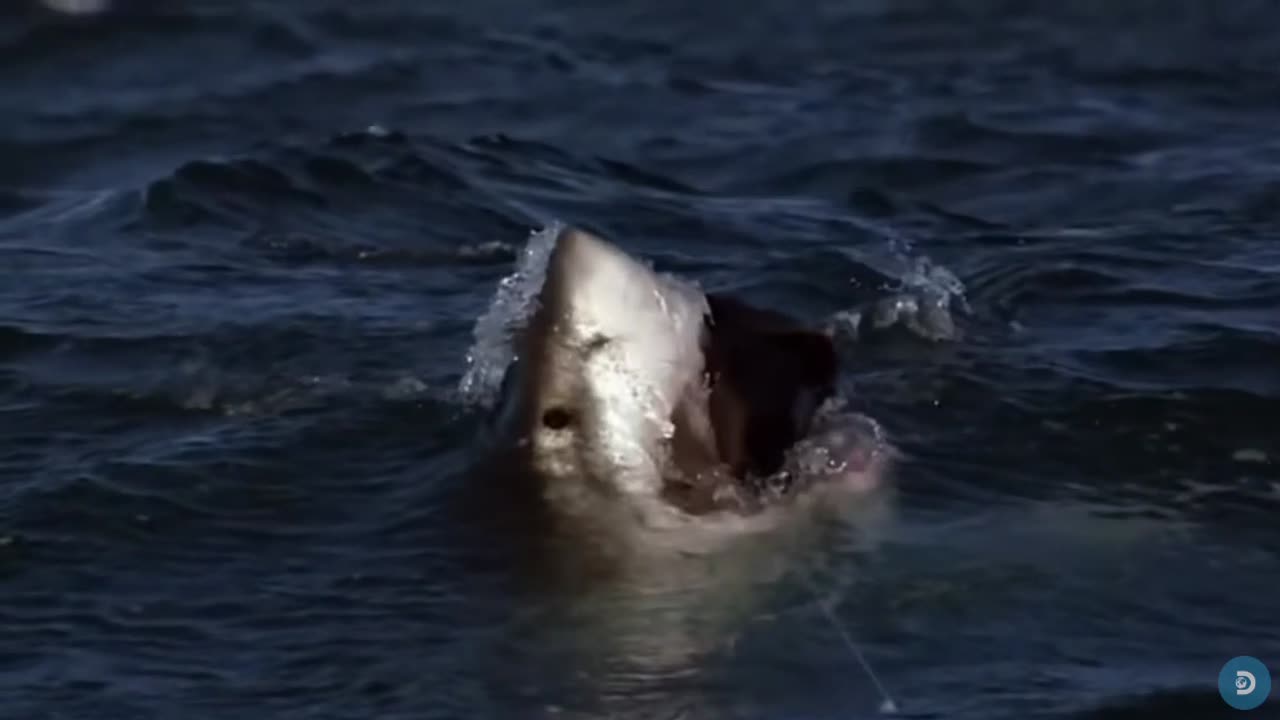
{"type": "Point", "coordinates": [244, 247]}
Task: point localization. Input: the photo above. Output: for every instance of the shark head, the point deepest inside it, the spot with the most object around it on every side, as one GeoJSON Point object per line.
{"type": "Point", "coordinates": [610, 353]}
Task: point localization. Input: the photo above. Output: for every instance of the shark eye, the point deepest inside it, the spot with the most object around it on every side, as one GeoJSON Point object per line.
{"type": "Point", "coordinates": [556, 418]}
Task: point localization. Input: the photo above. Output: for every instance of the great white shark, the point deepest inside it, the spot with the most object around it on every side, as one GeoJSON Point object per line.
{"type": "Point", "coordinates": [638, 394]}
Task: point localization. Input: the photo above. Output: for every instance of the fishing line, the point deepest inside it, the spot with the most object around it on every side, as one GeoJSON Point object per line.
{"type": "Point", "coordinates": [887, 704]}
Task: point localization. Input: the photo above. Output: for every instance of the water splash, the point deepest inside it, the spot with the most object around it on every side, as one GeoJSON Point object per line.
{"type": "Point", "coordinates": [513, 303]}
{"type": "Point", "coordinates": [921, 300]}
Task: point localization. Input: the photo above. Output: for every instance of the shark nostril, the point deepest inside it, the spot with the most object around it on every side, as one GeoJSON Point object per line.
{"type": "Point", "coordinates": [556, 418]}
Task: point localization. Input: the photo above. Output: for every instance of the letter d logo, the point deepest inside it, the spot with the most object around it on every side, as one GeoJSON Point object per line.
{"type": "Point", "coordinates": [1244, 682]}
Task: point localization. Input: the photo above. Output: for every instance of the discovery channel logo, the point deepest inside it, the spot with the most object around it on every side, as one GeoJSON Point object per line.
{"type": "Point", "coordinates": [1244, 682]}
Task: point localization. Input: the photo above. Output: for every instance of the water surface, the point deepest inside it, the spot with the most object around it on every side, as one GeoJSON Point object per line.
{"type": "Point", "coordinates": [244, 251]}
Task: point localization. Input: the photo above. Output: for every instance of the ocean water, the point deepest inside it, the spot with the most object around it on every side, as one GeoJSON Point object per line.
{"type": "Point", "coordinates": [251, 255]}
